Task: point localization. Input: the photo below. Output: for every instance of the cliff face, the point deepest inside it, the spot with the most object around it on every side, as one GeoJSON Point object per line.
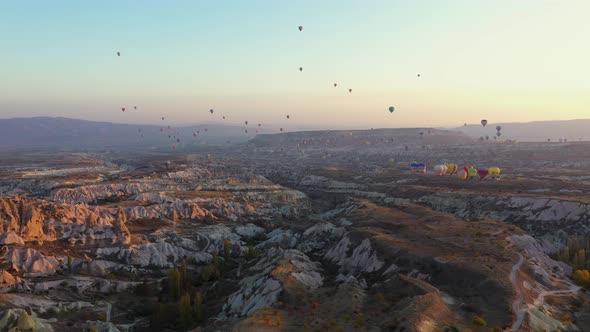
{"type": "Point", "coordinates": [38, 220]}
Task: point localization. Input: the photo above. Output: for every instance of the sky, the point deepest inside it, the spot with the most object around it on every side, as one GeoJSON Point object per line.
{"type": "Point", "coordinates": [502, 60]}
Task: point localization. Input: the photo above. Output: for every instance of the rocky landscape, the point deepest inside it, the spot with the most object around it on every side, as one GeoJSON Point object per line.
{"type": "Point", "coordinates": [302, 231]}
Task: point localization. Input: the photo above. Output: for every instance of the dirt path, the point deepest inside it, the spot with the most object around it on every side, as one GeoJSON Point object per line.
{"type": "Point", "coordinates": [520, 296]}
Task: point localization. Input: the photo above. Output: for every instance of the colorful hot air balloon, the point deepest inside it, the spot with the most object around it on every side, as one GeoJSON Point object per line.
{"type": "Point", "coordinates": [452, 168]}
{"type": "Point", "coordinates": [484, 122]}
{"type": "Point", "coordinates": [391, 109]}
{"type": "Point", "coordinates": [418, 75]}
{"type": "Point", "coordinates": [300, 68]}
{"type": "Point", "coordinates": [300, 28]}
{"type": "Point", "coordinates": [494, 172]}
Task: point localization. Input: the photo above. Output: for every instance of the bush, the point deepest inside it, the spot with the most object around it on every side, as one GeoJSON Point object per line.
{"type": "Point", "coordinates": [582, 277]}
{"type": "Point", "coordinates": [478, 321]}
{"type": "Point", "coordinates": [226, 248]}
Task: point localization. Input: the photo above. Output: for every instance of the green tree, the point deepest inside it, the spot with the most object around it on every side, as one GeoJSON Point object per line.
{"type": "Point", "coordinates": [183, 275]}
{"type": "Point", "coordinates": [198, 306]}
{"type": "Point", "coordinates": [251, 253]}
{"type": "Point", "coordinates": [186, 316]}
{"type": "Point", "coordinates": [70, 261]}
{"type": "Point", "coordinates": [227, 248]}
{"type": "Point", "coordinates": [174, 283]}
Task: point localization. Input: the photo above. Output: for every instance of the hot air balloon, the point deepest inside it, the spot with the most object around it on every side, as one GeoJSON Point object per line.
{"type": "Point", "coordinates": [118, 53]}
{"type": "Point", "coordinates": [161, 129]}
{"type": "Point", "coordinates": [300, 28]}
{"type": "Point", "coordinates": [391, 109]}
{"type": "Point", "coordinates": [335, 84]}
{"type": "Point", "coordinates": [482, 172]}
{"type": "Point", "coordinates": [123, 109]}
{"type": "Point", "coordinates": [211, 111]}
{"type": "Point", "coordinates": [288, 116]}
{"type": "Point", "coordinates": [418, 167]}
{"type": "Point", "coordinates": [178, 140]}
{"type": "Point", "coordinates": [300, 68]}
{"type": "Point", "coordinates": [472, 172]}
{"type": "Point", "coordinates": [223, 117]}
{"type": "Point", "coordinates": [349, 90]}
{"type": "Point", "coordinates": [494, 172]}
{"type": "Point", "coordinates": [498, 128]}
{"type": "Point", "coordinates": [194, 134]}
{"type": "Point", "coordinates": [281, 129]}
{"type": "Point", "coordinates": [441, 169]}
{"type": "Point", "coordinates": [134, 107]}
{"type": "Point", "coordinates": [421, 135]}
{"type": "Point", "coordinates": [246, 122]}
{"type": "Point", "coordinates": [246, 131]}
{"type": "Point", "coordinates": [162, 118]}
{"type": "Point", "coordinates": [498, 134]}
{"type": "Point", "coordinates": [452, 168]}
{"type": "Point", "coordinates": [484, 122]}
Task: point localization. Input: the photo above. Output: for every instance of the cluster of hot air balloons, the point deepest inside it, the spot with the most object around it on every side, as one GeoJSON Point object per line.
{"type": "Point", "coordinates": [467, 172]}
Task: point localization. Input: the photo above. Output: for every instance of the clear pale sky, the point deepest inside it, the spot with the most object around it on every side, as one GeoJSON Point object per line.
{"type": "Point", "coordinates": [503, 60]}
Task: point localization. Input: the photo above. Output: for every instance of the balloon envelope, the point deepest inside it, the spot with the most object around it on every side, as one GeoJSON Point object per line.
{"type": "Point", "coordinates": [484, 122]}
{"type": "Point", "coordinates": [391, 109]}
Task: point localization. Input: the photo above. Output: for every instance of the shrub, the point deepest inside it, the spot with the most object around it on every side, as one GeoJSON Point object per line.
{"type": "Point", "coordinates": [478, 321]}
{"type": "Point", "coordinates": [565, 318]}
{"type": "Point", "coordinates": [582, 277]}
{"type": "Point", "coordinates": [226, 248]}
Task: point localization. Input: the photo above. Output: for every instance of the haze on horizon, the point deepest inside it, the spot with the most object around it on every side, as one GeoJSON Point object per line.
{"type": "Point", "coordinates": [506, 61]}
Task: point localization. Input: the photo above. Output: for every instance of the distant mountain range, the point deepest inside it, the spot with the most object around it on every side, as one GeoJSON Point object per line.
{"type": "Point", "coordinates": [572, 130]}
{"type": "Point", "coordinates": [73, 134]}
{"type": "Point", "coordinates": [64, 133]}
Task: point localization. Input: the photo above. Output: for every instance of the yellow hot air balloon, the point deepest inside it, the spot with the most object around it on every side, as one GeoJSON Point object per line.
{"type": "Point", "coordinates": [494, 172]}
{"type": "Point", "coordinates": [452, 168]}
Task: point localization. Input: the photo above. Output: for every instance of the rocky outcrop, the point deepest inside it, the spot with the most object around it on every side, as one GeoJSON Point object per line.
{"type": "Point", "coordinates": [362, 258]}
{"type": "Point", "coordinates": [32, 262]}
{"type": "Point", "coordinates": [19, 320]}
{"type": "Point", "coordinates": [11, 238]}
{"type": "Point", "coordinates": [262, 287]}
{"type": "Point", "coordinates": [539, 216]}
